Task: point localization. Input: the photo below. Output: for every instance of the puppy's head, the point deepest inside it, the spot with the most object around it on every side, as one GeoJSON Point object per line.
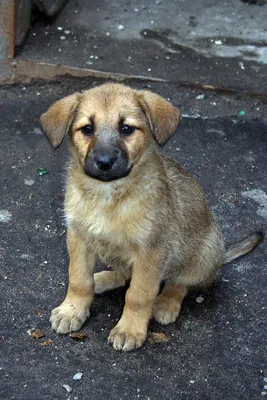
{"type": "Point", "coordinates": [110, 127]}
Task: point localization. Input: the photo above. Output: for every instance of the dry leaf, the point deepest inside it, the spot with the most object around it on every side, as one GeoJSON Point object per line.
{"type": "Point", "coordinates": [37, 312]}
{"type": "Point", "coordinates": [47, 342]}
{"type": "Point", "coordinates": [157, 337]}
{"type": "Point", "coordinates": [36, 333]}
{"type": "Point", "coordinates": [81, 335]}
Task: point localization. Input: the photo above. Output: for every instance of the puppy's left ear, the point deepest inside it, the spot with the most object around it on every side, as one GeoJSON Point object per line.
{"type": "Point", "coordinates": [163, 117]}
{"type": "Point", "coordinates": [58, 119]}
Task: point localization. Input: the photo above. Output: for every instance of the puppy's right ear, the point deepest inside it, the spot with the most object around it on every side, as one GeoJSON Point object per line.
{"type": "Point", "coordinates": [58, 119]}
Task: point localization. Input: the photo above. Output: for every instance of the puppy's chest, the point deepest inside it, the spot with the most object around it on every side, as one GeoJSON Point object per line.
{"type": "Point", "coordinates": [112, 226]}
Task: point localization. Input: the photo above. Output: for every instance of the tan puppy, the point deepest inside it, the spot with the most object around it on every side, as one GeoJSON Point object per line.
{"type": "Point", "coordinates": [136, 209]}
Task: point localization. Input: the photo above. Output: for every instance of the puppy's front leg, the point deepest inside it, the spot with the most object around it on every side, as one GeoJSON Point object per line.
{"type": "Point", "coordinates": [131, 330]}
{"type": "Point", "coordinates": [75, 309]}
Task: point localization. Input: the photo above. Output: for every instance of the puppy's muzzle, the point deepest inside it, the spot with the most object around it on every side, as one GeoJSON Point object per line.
{"type": "Point", "coordinates": [105, 160]}
{"type": "Point", "coordinates": [107, 163]}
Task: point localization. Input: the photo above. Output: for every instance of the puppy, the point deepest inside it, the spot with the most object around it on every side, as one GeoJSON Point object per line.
{"type": "Point", "coordinates": [134, 208]}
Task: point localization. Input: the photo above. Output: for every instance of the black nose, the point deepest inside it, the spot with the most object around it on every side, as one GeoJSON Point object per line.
{"type": "Point", "coordinates": [105, 160]}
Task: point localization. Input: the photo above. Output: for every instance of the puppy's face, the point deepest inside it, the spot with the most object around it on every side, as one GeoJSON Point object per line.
{"type": "Point", "coordinates": [110, 132]}
{"type": "Point", "coordinates": [110, 127]}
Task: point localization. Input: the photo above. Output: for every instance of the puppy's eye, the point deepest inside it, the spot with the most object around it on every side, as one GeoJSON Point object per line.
{"type": "Point", "coordinates": [87, 130]}
{"type": "Point", "coordinates": [126, 130]}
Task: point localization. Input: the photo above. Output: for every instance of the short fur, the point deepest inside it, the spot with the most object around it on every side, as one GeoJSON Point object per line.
{"type": "Point", "coordinates": [152, 225]}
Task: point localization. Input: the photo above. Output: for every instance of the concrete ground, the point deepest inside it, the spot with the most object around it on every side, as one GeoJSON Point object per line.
{"type": "Point", "coordinates": [217, 348]}
{"type": "Point", "coordinates": [219, 43]}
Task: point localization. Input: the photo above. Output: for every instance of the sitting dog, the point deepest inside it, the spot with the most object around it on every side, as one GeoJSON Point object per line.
{"type": "Point", "coordinates": [134, 208]}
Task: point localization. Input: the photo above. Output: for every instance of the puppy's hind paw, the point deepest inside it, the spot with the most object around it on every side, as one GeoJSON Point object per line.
{"type": "Point", "coordinates": [165, 310]}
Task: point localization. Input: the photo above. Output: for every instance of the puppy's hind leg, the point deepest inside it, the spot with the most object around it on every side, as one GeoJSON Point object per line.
{"type": "Point", "coordinates": [168, 304]}
{"type": "Point", "coordinates": [108, 280]}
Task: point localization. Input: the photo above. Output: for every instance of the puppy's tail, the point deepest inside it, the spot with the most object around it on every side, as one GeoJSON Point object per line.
{"type": "Point", "coordinates": [243, 247]}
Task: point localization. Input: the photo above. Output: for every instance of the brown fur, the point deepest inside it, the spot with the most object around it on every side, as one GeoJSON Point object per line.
{"type": "Point", "coordinates": [150, 225]}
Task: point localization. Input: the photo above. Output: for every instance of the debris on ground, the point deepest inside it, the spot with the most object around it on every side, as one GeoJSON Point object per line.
{"type": "Point", "coordinates": [47, 342]}
{"type": "Point", "coordinates": [36, 333]}
{"type": "Point", "coordinates": [199, 299]}
{"type": "Point", "coordinates": [29, 182]}
{"type": "Point", "coordinates": [67, 388]}
{"type": "Point", "coordinates": [81, 335]}
{"type": "Point", "coordinates": [78, 376]}
{"type": "Point", "coordinates": [42, 171]}
{"type": "Point", "coordinates": [157, 337]}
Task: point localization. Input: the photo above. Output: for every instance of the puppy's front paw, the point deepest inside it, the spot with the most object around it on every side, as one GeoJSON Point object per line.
{"type": "Point", "coordinates": [68, 317]}
{"type": "Point", "coordinates": [166, 309]}
{"type": "Point", "coordinates": [124, 338]}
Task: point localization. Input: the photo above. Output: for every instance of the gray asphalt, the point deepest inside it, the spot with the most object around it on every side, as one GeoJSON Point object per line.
{"type": "Point", "coordinates": [216, 350]}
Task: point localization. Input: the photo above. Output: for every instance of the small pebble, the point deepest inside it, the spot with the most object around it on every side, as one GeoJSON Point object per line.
{"type": "Point", "coordinates": [158, 2]}
{"type": "Point", "coordinates": [121, 27]}
{"type": "Point", "coordinates": [29, 182]}
{"type": "Point", "coordinates": [218, 42]}
{"type": "Point", "coordinates": [200, 97]}
{"type": "Point", "coordinates": [265, 387]}
{"type": "Point", "coordinates": [263, 393]}
{"type": "Point", "coordinates": [108, 34]}
{"type": "Point", "coordinates": [67, 388]}
{"type": "Point", "coordinates": [265, 380]}
{"type": "Point", "coordinates": [59, 28]}
{"type": "Point", "coordinates": [78, 376]}
{"type": "Point", "coordinates": [199, 299]}
{"type": "Point", "coordinates": [5, 216]}
{"type": "Point", "coordinates": [149, 69]}
{"type": "Point", "coordinates": [241, 64]}
{"type": "Point", "coordinates": [62, 37]}
{"type": "Point", "coordinates": [136, 9]}
{"type": "Point", "coordinates": [241, 113]}
{"type": "Point", "coordinates": [67, 32]}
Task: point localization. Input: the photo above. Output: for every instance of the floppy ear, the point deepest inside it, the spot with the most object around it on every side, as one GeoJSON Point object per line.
{"type": "Point", "coordinates": [58, 119]}
{"type": "Point", "coordinates": [163, 117]}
